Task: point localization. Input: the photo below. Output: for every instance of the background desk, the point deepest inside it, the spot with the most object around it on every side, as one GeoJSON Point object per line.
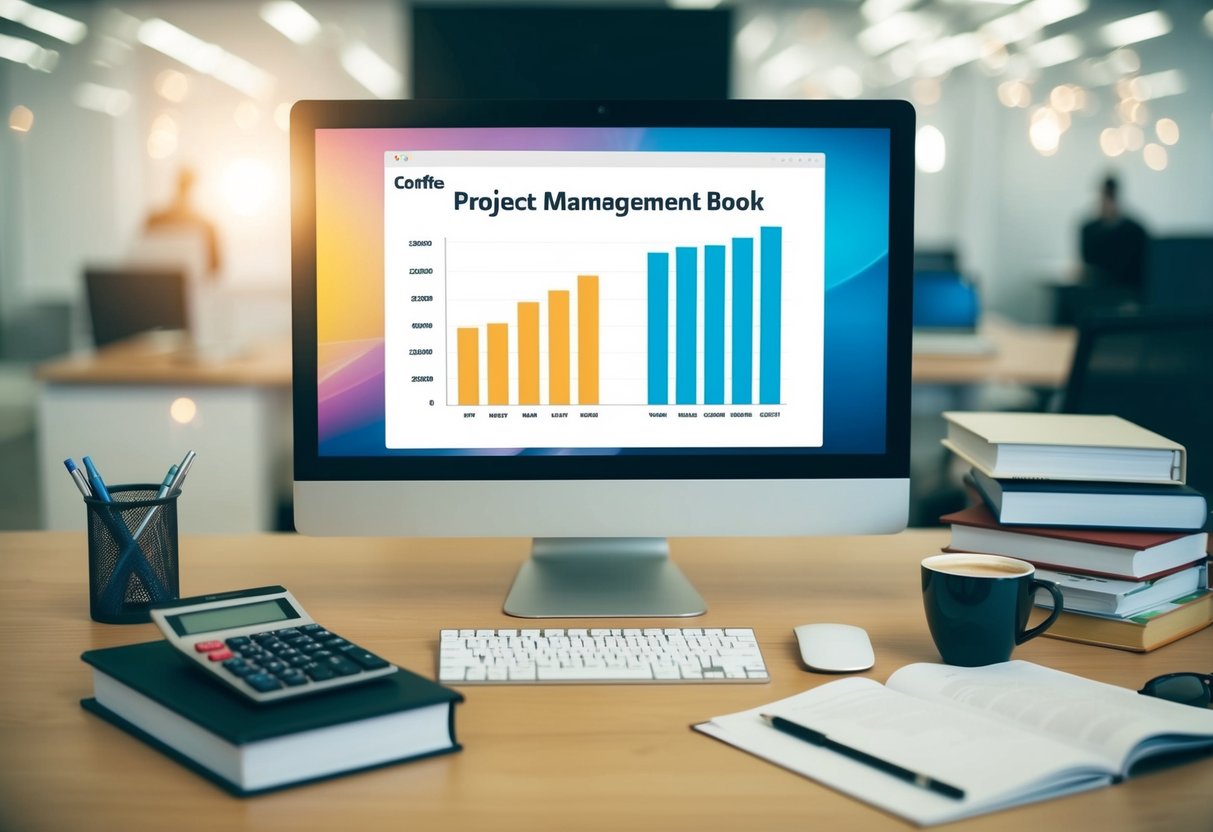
{"type": "Point", "coordinates": [1032, 356]}
{"type": "Point", "coordinates": [113, 404]}
{"type": "Point", "coordinates": [535, 757]}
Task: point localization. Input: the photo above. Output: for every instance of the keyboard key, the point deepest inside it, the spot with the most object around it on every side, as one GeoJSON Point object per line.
{"type": "Point", "coordinates": [220, 655]}
{"type": "Point", "coordinates": [363, 657]}
{"type": "Point", "coordinates": [319, 673]}
{"type": "Point", "coordinates": [262, 682]}
{"type": "Point", "coordinates": [207, 646]}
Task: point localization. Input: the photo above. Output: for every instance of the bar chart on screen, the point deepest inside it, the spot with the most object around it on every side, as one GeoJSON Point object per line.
{"type": "Point", "coordinates": [608, 330]}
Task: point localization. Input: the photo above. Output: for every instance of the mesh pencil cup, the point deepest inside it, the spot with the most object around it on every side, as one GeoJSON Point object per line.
{"type": "Point", "coordinates": [132, 553]}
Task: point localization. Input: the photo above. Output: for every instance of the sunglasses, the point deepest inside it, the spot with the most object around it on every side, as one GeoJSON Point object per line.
{"type": "Point", "coordinates": [1194, 689]}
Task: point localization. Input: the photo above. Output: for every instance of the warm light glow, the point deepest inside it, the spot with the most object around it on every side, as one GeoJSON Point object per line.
{"type": "Point", "coordinates": [1134, 29]}
{"type": "Point", "coordinates": [1111, 142]}
{"type": "Point", "coordinates": [247, 115]}
{"type": "Point", "coordinates": [172, 85]}
{"type": "Point", "coordinates": [1132, 110]}
{"type": "Point", "coordinates": [162, 138]}
{"type": "Point", "coordinates": [1015, 94]}
{"type": "Point", "coordinates": [1067, 98]}
{"type": "Point", "coordinates": [1155, 156]}
{"type": "Point", "coordinates": [282, 116]}
{"type": "Point", "coordinates": [1132, 136]}
{"type": "Point", "coordinates": [292, 20]}
{"type": "Point", "coordinates": [183, 410]}
{"type": "Point", "coordinates": [1167, 130]}
{"type": "Point", "coordinates": [930, 149]}
{"type": "Point", "coordinates": [247, 186]}
{"type": "Point", "coordinates": [21, 119]}
{"type": "Point", "coordinates": [204, 57]}
{"type": "Point", "coordinates": [1045, 131]}
{"type": "Point", "coordinates": [925, 91]}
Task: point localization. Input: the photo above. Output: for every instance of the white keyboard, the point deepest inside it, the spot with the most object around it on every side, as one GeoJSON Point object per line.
{"type": "Point", "coordinates": [599, 656]}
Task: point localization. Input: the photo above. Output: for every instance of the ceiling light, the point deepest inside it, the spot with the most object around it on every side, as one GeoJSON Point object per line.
{"type": "Point", "coordinates": [1032, 17]}
{"type": "Point", "coordinates": [102, 99]}
{"type": "Point", "coordinates": [1054, 51]}
{"type": "Point", "coordinates": [874, 10]}
{"type": "Point", "coordinates": [756, 37]}
{"type": "Point", "coordinates": [204, 57]}
{"type": "Point", "coordinates": [371, 71]}
{"type": "Point", "coordinates": [58, 26]}
{"type": "Point", "coordinates": [1137, 28]}
{"type": "Point", "coordinates": [1045, 131]}
{"type": "Point", "coordinates": [693, 4]}
{"type": "Point", "coordinates": [291, 19]}
{"type": "Point", "coordinates": [902, 27]}
{"type": "Point", "coordinates": [786, 67]}
{"type": "Point", "coordinates": [22, 51]}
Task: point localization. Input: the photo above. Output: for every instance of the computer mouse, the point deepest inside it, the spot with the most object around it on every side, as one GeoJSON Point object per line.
{"type": "Point", "coordinates": [834, 648]}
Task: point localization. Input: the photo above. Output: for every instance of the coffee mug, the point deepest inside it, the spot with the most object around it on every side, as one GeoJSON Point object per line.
{"type": "Point", "coordinates": [977, 606]}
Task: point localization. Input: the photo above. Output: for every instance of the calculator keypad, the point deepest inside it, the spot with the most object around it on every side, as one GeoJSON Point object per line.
{"type": "Point", "coordinates": [290, 657]}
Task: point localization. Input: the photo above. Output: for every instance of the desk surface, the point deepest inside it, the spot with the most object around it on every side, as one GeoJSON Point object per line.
{"type": "Point", "coordinates": [1035, 356]}
{"type": "Point", "coordinates": [535, 757]}
{"type": "Point", "coordinates": [156, 360]}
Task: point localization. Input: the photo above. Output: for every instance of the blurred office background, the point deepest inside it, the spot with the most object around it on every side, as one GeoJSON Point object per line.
{"type": "Point", "coordinates": [1024, 106]}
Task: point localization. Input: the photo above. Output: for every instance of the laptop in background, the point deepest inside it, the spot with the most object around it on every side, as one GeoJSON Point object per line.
{"type": "Point", "coordinates": [128, 301]}
{"type": "Point", "coordinates": [947, 310]}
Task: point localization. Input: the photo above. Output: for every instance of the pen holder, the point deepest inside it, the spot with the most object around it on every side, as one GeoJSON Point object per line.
{"type": "Point", "coordinates": [132, 553]}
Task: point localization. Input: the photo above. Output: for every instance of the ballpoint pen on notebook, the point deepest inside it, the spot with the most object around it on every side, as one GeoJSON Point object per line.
{"type": "Point", "coordinates": [817, 738]}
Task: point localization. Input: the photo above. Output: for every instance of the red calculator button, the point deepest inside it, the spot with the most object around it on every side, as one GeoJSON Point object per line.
{"type": "Point", "coordinates": [207, 646]}
{"type": "Point", "coordinates": [220, 655]}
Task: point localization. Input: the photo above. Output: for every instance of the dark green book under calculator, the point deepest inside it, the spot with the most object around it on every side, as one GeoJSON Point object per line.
{"type": "Point", "coordinates": [149, 691]}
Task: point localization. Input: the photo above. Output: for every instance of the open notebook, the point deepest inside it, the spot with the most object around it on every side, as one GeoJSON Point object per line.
{"type": "Point", "coordinates": [1007, 734]}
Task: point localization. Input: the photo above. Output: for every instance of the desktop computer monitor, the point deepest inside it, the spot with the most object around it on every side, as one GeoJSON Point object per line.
{"type": "Point", "coordinates": [600, 325]}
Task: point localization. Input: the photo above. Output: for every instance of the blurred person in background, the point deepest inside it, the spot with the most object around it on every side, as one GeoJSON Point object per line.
{"type": "Point", "coordinates": [180, 220]}
{"type": "Point", "coordinates": [1113, 249]}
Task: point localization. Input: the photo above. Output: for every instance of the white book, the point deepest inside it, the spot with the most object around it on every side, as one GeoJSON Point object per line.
{"type": "Point", "coordinates": [1063, 446]}
{"type": "Point", "coordinates": [1006, 734]}
{"type": "Point", "coordinates": [1117, 597]}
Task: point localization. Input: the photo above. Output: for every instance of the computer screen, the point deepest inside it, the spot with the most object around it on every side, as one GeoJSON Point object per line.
{"type": "Point", "coordinates": [128, 301]}
{"type": "Point", "coordinates": [582, 321]}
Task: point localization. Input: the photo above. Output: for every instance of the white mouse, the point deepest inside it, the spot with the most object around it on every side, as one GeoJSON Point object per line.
{"type": "Point", "coordinates": [834, 648]}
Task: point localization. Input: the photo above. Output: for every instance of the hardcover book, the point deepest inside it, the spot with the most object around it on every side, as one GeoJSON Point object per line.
{"type": "Point", "coordinates": [1128, 554]}
{"type": "Point", "coordinates": [156, 695]}
{"type": "Point", "coordinates": [1141, 633]}
{"type": "Point", "coordinates": [1063, 446]}
{"type": "Point", "coordinates": [1085, 504]}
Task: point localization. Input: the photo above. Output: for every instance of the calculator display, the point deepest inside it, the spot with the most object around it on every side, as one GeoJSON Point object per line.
{"type": "Point", "coordinates": [226, 618]}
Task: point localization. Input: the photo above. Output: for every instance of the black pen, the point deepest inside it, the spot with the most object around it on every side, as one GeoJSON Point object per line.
{"type": "Point", "coordinates": [794, 729]}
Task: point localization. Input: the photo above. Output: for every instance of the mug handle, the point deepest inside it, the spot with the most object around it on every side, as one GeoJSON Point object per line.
{"type": "Point", "coordinates": [1058, 606]}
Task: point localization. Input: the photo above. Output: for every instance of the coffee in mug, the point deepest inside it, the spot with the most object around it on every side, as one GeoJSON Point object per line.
{"type": "Point", "coordinates": [977, 606]}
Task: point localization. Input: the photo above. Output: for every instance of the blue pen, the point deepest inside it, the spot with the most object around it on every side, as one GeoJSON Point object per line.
{"type": "Point", "coordinates": [77, 478]}
{"type": "Point", "coordinates": [94, 480]}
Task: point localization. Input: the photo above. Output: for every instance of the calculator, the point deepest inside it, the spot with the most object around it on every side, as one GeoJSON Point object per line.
{"type": "Point", "coordinates": [263, 644]}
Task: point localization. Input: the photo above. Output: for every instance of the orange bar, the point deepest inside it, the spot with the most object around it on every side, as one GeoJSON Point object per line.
{"type": "Point", "coordinates": [587, 339]}
{"type": "Point", "coordinates": [469, 364]}
{"type": "Point", "coordinates": [558, 346]}
{"type": "Point", "coordinates": [528, 353]}
{"type": "Point", "coordinates": [499, 363]}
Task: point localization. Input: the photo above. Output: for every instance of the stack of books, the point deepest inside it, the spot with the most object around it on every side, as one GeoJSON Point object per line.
{"type": "Point", "coordinates": [1099, 505]}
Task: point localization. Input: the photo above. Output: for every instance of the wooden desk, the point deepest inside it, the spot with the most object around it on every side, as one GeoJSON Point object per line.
{"type": "Point", "coordinates": [1028, 355]}
{"type": "Point", "coordinates": [116, 405]}
{"type": "Point", "coordinates": [535, 757]}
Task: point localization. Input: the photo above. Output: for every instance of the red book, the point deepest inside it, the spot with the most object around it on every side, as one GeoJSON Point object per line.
{"type": "Point", "coordinates": [1124, 554]}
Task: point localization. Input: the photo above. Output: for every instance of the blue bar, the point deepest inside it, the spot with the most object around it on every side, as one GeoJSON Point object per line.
{"type": "Point", "coordinates": [743, 320]}
{"type": "Point", "coordinates": [659, 327]}
{"type": "Point", "coordinates": [685, 311]}
{"type": "Point", "coordinates": [713, 324]}
{"type": "Point", "coordinates": [770, 292]}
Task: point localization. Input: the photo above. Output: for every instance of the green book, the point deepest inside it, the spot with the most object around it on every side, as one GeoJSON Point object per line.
{"type": "Point", "coordinates": [152, 692]}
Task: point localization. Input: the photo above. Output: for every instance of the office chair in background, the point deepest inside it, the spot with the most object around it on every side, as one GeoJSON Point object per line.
{"type": "Point", "coordinates": [1152, 368]}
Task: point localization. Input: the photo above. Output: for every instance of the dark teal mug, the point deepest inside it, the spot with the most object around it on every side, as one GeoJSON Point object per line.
{"type": "Point", "coordinates": [977, 606]}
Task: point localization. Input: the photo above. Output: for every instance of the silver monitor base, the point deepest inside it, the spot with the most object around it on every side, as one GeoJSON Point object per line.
{"type": "Point", "coordinates": [609, 577]}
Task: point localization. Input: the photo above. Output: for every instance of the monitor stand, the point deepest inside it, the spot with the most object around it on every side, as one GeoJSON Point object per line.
{"type": "Point", "coordinates": [602, 577]}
